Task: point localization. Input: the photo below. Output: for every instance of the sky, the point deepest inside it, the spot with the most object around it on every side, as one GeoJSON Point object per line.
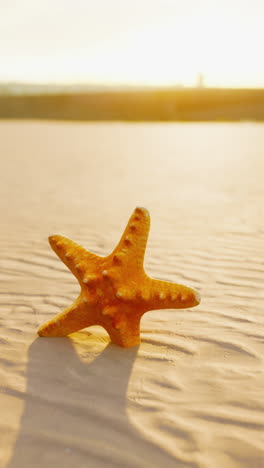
{"type": "Point", "coordinates": [133, 42]}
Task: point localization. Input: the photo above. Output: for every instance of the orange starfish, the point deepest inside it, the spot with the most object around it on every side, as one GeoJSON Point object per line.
{"type": "Point", "coordinates": [115, 290]}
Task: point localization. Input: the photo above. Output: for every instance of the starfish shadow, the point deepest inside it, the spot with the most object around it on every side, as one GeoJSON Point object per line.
{"type": "Point", "coordinates": [75, 412]}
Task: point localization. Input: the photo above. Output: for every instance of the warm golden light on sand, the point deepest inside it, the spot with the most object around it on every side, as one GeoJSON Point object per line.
{"type": "Point", "coordinates": [191, 394]}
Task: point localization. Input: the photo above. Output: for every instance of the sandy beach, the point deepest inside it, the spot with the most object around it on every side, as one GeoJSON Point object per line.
{"type": "Point", "coordinates": [191, 395]}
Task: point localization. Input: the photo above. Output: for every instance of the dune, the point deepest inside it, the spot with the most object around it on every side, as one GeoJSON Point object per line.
{"type": "Point", "coordinates": [191, 394]}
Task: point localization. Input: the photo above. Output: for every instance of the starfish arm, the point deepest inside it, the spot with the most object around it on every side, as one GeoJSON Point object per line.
{"type": "Point", "coordinates": [167, 295]}
{"type": "Point", "coordinates": [130, 250]}
{"type": "Point", "coordinates": [72, 319]}
{"type": "Point", "coordinates": [122, 326]}
{"type": "Point", "coordinates": [75, 257]}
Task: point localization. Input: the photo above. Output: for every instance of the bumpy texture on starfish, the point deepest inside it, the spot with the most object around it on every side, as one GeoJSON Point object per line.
{"type": "Point", "coordinates": [115, 290]}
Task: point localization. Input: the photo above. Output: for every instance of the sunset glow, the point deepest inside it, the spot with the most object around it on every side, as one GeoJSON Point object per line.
{"type": "Point", "coordinates": [142, 42]}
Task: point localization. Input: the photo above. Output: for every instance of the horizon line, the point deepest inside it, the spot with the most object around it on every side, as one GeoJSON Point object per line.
{"type": "Point", "coordinates": [62, 84]}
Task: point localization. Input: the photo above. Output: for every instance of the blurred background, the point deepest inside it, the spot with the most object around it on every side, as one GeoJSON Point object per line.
{"type": "Point", "coordinates": [192, 60]}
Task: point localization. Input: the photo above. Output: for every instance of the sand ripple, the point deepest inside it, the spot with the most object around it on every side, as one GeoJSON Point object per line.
{"type": "Point", "coordinates": [192, 394]}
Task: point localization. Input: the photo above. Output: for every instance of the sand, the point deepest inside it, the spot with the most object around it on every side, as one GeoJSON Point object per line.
{"type": "Point", "coordinates": [191, 395]}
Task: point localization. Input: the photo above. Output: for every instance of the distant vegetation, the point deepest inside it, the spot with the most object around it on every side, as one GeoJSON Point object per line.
{"type": "Point", "coordinates": [183, 104]}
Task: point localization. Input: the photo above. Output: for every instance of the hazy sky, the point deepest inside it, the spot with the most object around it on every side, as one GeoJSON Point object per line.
{"type": "Point", "coordinates": [133, 41]}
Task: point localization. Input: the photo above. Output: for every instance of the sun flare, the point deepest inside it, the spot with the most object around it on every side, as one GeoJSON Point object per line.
{"type": "Point", "coordinates": [168, 43]}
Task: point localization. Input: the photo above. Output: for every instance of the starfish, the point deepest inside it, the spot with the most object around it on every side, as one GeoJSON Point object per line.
{"type": "Point", "coordinates": [115, 290]}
